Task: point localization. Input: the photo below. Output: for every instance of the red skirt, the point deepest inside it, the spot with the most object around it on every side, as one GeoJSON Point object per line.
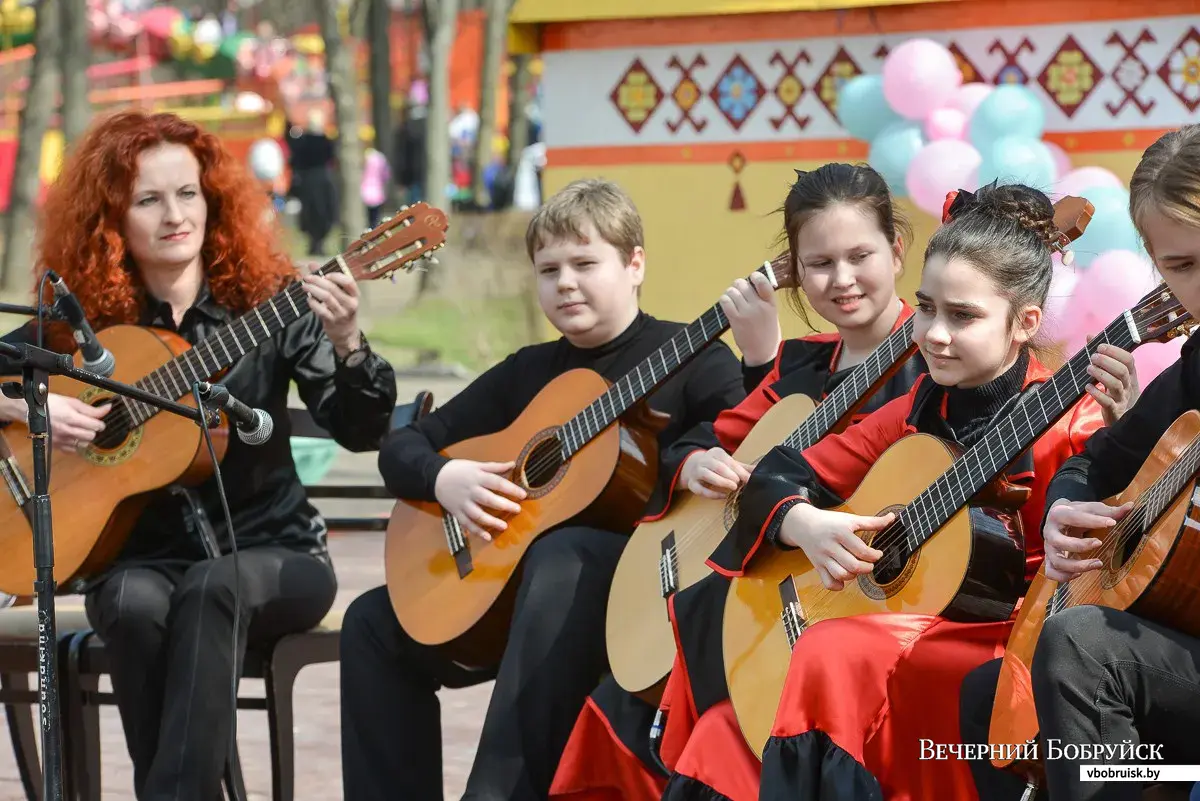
{"type": "Point", "coordinates": [715, 764]}
{"type": "Point", "coordinates": [598, 766]}
{"type": "Point", "coordinates": [861, 695]}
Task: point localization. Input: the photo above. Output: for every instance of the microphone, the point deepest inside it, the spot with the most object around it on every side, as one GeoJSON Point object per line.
{"type": "Point", "coordinates": [96, 358]}
{"type": "Point", "coordinates": [254, 426]}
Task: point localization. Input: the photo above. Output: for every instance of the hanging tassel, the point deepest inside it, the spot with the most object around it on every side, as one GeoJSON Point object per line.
{"type": "Point", "coordinates": [737, 163]}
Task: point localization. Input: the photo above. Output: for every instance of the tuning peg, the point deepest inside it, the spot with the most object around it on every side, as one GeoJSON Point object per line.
{"type": "Point", "coordinates": [404, 208]}
{"type": "Point", "coordinates": [432, 260]}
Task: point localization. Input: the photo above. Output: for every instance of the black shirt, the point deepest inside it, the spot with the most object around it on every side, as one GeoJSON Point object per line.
{"type": "Point", "coordinates": [1113, 455]}
{"type": "Point", "coordinates": [711, 382]}
{"type": "Point", "coordinates": [266, 498]}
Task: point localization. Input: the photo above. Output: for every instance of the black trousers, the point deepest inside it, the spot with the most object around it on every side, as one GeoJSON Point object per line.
{"type": "Point", "coordinates": [975, 699]}
{"type": "Point", "coordinates": [168, 630]}
{"type": "Point", "coordinates": [391, 717]}
{"type": "Point", "coordinates": [1103, 676]}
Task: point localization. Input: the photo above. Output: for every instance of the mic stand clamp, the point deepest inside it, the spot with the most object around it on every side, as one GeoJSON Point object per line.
{"type": "Point", "coordinates": [37, 364]}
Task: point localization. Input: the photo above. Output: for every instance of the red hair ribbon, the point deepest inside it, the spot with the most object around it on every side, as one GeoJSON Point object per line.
{"type": "Point", "coordinates": [950, 198]}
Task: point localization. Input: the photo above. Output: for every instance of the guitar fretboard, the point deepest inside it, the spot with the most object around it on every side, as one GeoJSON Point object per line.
{"type": "Point", "coordinates": [853, 388]}
{"type": "Point", "coordinates": [224, 346]}
{"type": "Point", "coordinates": [1162, 493]}
{"type": "Point", "coordinates": [1033, 415]}
{"type": "Point", "coordinates": [643, 379]}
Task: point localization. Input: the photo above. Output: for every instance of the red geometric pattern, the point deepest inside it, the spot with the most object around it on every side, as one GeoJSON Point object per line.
{"type": "Point", "coordinates": [1130, 73]}
{"type": "Point", "coordinates": [1181, 70]}
{"type": "Point", "coordinates": [737, 92]}
{"type": "Point", "coordinates": [790, 89]}
{"type": "Point", "coordinates": [841, 69]}
{"type": "Point", "coordinates": [636, 95]}
{"type": "Point", "coordinates": [1070, 76]}
{"type": "Point", "coordinates": [1011, 71]}
{"type": "Point", "coordinates": [969, 71]}
{"type": "Point", "coordinates": [687, 93]}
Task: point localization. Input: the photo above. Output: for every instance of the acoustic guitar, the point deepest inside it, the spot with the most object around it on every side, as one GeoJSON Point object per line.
{"type": "Point", "coordinates": [667, 555]}
{"type": "Point", "coordinates": [581, 448]}
{"type": "Point", "coordinates": [972, 570]}
{"type": "Point", "coordinates": [97, 495]}
{"type": "Point", "coordinates": [1151, 568]}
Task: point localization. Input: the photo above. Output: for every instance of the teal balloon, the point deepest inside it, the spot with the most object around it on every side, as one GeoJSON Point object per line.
{"type": "Point", "coordinates": [862, 108]}
{"type": "Point", "coordinates": [1018, 160]}
{"type": "Point", "coordinates": [1008, 110]}
{"type": "Point", "coordinates": [1111, 227]}
{"type": "Point", "coordinates": [893, 150]}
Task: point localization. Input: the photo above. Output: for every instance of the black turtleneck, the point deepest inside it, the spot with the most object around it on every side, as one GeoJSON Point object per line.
{"type": "Point", "coordinates": [969, 412]}
{"type": "Point", "coordinates": [409, 460]}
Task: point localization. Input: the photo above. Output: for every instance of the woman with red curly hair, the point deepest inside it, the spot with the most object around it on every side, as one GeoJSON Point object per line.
{"type": "Point", "coordinates": [153, 223]}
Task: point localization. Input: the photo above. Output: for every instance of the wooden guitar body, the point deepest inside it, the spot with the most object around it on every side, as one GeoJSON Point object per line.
{"type": "Point", "coordinates": [668, 555]}
{"type": "Point", "coordinates": [972, 570]}
{"type": "Point", "coordinates": [465, 603]}
{"type": "Point", "coordinates": [97, 495]}
{"type": "Point", "coordinates": [1155, 577]}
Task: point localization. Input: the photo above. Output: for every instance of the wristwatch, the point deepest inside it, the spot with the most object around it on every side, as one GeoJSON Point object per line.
{"type": "Point", "coordinates": [357, 356]}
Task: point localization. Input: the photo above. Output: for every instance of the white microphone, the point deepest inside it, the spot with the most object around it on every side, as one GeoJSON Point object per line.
{"type": "Point", "coordinates": [96, 358]}
{"type": "Point", "coordinates": [254, 426]}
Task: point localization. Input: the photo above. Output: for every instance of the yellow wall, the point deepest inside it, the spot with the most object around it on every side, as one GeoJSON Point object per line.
{"type": "Point", "coordinates": [696, 246]}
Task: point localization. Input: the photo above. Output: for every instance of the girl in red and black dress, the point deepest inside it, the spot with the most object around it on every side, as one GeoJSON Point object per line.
{"type": "Point", "coordinates": [847, 239]}
{"type": "Point", "coordinates": [862, 692]}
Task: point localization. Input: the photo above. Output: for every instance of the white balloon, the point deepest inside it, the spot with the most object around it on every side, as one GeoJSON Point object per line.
{"type": "Point", "coordinates": [266, 160]}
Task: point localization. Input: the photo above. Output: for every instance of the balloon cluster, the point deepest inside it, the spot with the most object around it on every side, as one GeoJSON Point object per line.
{"type": "Point", "coordinates": [930, 134]}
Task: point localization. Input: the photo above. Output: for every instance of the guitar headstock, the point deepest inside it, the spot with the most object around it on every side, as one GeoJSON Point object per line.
{"type": "Point", "coordinates": [399, 242]}
{"type": "Point", "coordinates": [1071, 217]}
{"type": "Point", "coordinates": [1159, 316]}
{"type": "Point", "coordinates": [779, 271]}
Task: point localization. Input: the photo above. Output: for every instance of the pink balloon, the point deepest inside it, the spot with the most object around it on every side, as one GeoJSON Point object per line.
{"type": "Point", "coordinates": [968, 97]}
{"type": "Point", "coordinates": [1062, 287]}
{"type": "Point", "coordinates": [1074, 182]}
{"type": "Point", "coordinates": [945, 123]}
{"type": "Point", "coordinates": [1154, 357]}
{"type": "Point", "coordinates": [1116, 280]}
{"type": "Point", "coordinates": [1062, 162]}
{"type": "Point", "coordinates": [919, 76]}
{"type": "Point", "coordinates": [938, 168]}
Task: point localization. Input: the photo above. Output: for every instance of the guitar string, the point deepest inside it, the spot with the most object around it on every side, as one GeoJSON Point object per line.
{"type": "Point", "coordinates": [815, 426]}
{"type": "Point", "coordinates": [1139, 522]}
{"type": "Point", "coordinates": [826, 599]}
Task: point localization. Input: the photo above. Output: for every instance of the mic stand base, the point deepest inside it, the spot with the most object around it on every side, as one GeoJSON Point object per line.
{"type": "Point", "coordinates": [36, 383]}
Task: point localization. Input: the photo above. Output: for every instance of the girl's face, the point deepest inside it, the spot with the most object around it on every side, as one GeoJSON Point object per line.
{"type": "Point", "coordinates": [847, 266]}
{"type": "Point", "coordinates": [1175, 248]}
{"type": "Point", "coordinates": [964, 327]}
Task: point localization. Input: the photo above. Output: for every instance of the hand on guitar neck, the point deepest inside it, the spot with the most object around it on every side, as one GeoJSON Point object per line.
{"type": "Point", "coordinates": [750, 307]}
{"type": "Point", "coordinates": [73, 423]}
{"type": "Point", "coordinates": [713, 474]}
{"type": "Point", "coordinates": [1066, 523]}
{"type": "Point", "coordinates": [830, 541]}
{"type": "Point", "coordinates": [474, 493]}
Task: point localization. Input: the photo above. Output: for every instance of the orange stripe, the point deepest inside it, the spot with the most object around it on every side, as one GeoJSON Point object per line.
{"type": "Point", "coordinates": [812, 150]}
{"type": "Point", "coordinates": [605, 34]}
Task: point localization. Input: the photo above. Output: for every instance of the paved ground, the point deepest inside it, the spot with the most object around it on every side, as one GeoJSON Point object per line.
{"type": "Point", "coordinates": [358, 558]}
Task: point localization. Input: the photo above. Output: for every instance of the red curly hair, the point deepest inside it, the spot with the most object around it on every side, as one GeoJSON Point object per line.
{"type": "Point", "coordinates": [84, 213]}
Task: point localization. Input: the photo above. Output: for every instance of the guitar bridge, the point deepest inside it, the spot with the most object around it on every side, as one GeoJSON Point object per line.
{"type": "Point", "coordinates": [456, 541]}
{"type": "Point", "coordinates": [794, 623]}
{"type": "Point", "coordinates": [668, 567]}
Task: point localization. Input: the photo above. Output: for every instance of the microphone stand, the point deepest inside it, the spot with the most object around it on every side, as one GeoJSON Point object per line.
{"type": "Point", "coordinates": [37, 365]}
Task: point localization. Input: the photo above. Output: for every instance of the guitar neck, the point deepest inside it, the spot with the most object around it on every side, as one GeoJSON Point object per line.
{"type": "Point", "coordinates": [642, 380]}
{"type": "Point", "coordinates": [1162, 493]}
{"type": "Point", "coordinates": [854, 390]}
{"type": "Point", "coordinates": [1032, 416]}
{"type": "Point", "coordinates": [222, 348]}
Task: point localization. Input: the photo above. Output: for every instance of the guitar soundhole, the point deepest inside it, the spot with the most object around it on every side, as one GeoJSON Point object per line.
{"type": "Point", "coordinates": [116, 425]}
{"type": "Point", "coordinates": [543, 463]}
{"type": "Point", "coordinates": [891, 566]}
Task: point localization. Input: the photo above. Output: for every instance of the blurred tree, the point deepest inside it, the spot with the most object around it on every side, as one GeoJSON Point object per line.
{"type": "Point", "coordinates": [74, 59]}
{"type": "Point", "coordinates": [493, 57]}
{"type": "Point", "coordinates": [379, 18]}
{"type": "Point", "coordinates": [40, 99]}
{"type": "Point", "coordinates": [440, 19]}
{"type": "Point", "coordinates": [519, 98]}
{"type": "Point", "coordinates": [339, 65]}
